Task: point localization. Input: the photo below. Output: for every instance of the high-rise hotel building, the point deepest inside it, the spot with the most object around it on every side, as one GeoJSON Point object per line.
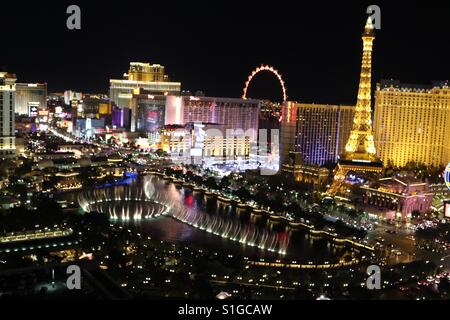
{"type": "Point", "coordinates": [412, 123]}
{"type": "Point", "coordinates": [30, 97]}
{"type": "Point", "coordinates": [239, 115]}
{"type": "Point", "coordinates": [141, 78]}
{"type": "Point", "coordinates": [7, 98]}
{"type": "Point", "coordinates": [314, 134]}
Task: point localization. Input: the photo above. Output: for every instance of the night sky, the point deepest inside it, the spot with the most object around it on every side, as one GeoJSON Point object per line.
{"type": "Point", "coordinates": [213, 45]}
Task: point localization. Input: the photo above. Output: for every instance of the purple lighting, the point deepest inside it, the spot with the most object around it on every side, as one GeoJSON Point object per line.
{"type": "Point", "coordinates": [120, 117]}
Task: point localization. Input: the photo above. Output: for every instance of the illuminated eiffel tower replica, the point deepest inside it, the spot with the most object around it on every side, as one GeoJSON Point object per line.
{"type": "Point", "coordinates": [360, 154]}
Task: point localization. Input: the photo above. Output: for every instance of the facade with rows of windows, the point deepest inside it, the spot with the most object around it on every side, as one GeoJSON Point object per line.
{"type": "Point", "coordinates": [7, 100]}
{"type": "Point", "coordinates": [316, 133]}
{"type": "Point", "coordinates": [412, 123]}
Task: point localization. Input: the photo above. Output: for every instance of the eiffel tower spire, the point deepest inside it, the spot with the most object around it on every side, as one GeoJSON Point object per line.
{"type": "Point", "coordinates": [360, 153]}
{"type": "Point", "coordinates": [360, 145]}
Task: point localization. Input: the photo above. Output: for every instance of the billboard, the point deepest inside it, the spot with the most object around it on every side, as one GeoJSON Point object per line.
{"type": "Point", "coordinates": [33, 111]}
{"type": "Point", "coordinates": [174, 110]}
{"type": "Point", "coordinates": [43, 113]}
{"type": "Point", "coordinates": [447, 209]}
{"type": "Point", "coordinates": [104, 108]}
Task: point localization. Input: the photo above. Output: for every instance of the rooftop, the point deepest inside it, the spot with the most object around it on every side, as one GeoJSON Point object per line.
{"type": "Point", "coordinates": [396, 85]}
{"type": "Point", "coordinates": [7, 75]}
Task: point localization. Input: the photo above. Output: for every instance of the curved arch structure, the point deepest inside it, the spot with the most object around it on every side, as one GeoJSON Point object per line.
{"type": "Point", "coordinates": [265, 68]}
{"type": "Point", "coordinates": [447, 176]}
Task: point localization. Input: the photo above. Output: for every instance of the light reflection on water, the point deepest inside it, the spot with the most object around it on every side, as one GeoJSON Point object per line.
{"type": "Point", "coordinates": [244, 226]}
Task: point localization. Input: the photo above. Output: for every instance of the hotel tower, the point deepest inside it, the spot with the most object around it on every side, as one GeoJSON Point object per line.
{"type": "Point", "coordinates": [7, 98]}
{"type": "Point", "coordinates": [414, 119]}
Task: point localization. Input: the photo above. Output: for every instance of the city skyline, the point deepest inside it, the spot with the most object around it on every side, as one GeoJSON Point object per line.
{"type": "Point", "coordinates": [315, 52]}
{"type": "Point", "coordinates": [145, 154]}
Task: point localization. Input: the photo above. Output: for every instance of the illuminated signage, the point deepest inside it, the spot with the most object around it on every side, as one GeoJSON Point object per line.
{"type": "Point", "coordinates": [447, 209]}
{"type": "Point", "coordinates": [174, 110]}
{"type": "Point", "coordinates": [447, 176]}
{"type": "Point", "coordinates": [88, 124]}
{"type": "Point", "coordinates": [125, 95]}
{"type": "Point", "coordinates": [32, 111]}
{"type": "Point", "coordinates": [104, 108]}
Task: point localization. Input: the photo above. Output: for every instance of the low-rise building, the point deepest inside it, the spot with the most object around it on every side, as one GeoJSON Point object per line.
{"type": "Point", "coordinates": [399, 196]}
